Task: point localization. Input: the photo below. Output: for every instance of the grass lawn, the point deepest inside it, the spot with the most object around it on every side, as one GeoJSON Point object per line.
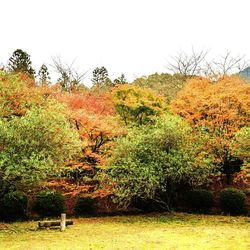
{"type": "Point", "coordinates": [152, 231]}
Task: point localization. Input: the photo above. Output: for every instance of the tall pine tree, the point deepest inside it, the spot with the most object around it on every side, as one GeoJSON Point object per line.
{"type": "Point", "coordinates": [20, 62]}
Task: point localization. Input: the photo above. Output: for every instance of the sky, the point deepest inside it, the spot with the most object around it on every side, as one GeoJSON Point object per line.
{"type": "Point", "coordinates": [134, 37]}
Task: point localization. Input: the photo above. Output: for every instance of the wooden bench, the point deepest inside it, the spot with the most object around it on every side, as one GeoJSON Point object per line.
{"type": "Point", "coordinates": [56, 223]}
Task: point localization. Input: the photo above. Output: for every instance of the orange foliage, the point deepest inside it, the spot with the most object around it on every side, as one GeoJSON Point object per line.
{"type": "Point", "coordinates": [223, 107]}
{"type": "Point", "coordinates": [93, 117]}
{"type": "Point", "coordinates": [69, 189]}
{"type": "Point", "coordinates": [17, 94]}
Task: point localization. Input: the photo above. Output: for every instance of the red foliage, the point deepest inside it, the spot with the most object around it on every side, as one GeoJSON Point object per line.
{"type": "Point", "coordinates": [69, 189]}
{"type": "Point", "coordinates": [96, 104]}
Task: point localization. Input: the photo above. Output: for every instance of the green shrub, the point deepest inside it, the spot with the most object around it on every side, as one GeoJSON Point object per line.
{"type": "Point", "coordinates": [49, 203]}
{"type": "Point", "coordinates": [200, 200]}
{"type": "Point", "coordinates": [14, 206]}
{"type": "Point", "coordinates": [152, 161]}
{"type": "Point", "coordinates": [232, 201]}
{"type": "Point", "coordinates": [85, 205]}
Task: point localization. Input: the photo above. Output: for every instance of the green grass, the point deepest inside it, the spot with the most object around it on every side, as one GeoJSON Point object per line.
{"type": "Point", "coordinates": [152, 231]}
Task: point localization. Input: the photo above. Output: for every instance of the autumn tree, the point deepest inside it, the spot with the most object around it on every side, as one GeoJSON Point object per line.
{"type": "Point", "coordinates": [94, 118]}
{"type": "Point", "coordinates": [20, 62]}
{"type": "Point", "coordinates": [164, 84]}
{"type": "Point", "coordinates": [220, 109]}
{"type": "Point", "coordinates": [17, 94]}
{"type": "Point", "coordinates": [136, 105]}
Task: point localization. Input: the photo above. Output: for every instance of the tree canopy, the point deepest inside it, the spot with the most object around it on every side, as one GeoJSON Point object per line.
{"type": "Point", "coordinates": [35, 145]}
{"type": "Point", "coordinates": [136, 105]}
{"type": "Point", "coordinates": [221, 109]}
{"type": "Point", "coordinates": [20, 62]}
{"type": "Point", "coordinates": [153, 160]}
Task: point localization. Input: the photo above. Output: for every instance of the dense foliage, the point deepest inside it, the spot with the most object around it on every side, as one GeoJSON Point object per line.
{"type": "Point", "coordinates": [136, 105]}
{"type": "Point", "coordinates": [153, 161]}
{"type": "Point", "coordinates": [35, 145]}
{"type": "Point", "coordinates": [17, 94]}
{"type": "Point", "coordinates": [13, 206]}
{"type": "Point", "coordinates": [232, 201]}
{"type": "Point", "coordinates": [221, 108]}
{"type": "Point", "coordinates": [85, 205]}
{"type": "Point", "coordinates": [142, 143]}
{"type": "Point", "coordinates": [164, 84]}
{"type": "Point", "coordinates": [20, 62]}
{"type": "Point", "coordinates": [49, 203]}
{"type": "Point", "coordinates": [241, 144]}
{"type": "Point", "coordinates": [200, 200]}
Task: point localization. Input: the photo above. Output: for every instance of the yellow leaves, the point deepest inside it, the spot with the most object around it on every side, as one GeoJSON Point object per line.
{"type": "Point", "coordinates": [135, 104]}
{"type": "Point", "coordinates": [134, 96]}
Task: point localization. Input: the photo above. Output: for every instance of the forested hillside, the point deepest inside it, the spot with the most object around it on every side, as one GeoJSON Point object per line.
{"type": "Point", "coordinates": [120, 144]}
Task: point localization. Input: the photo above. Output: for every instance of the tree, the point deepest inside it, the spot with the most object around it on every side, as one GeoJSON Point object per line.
{"type": "Point", "coordinates": [20, 62]}
{"type": "Point", "coordinates": [35, 145]}
{"type": "Point", "coordinates": [100, 76]}
{"type": "Point", "coordinates": [188, 65]}
{"type": "Point", "coordinates": [225, 65]}
{"type": "Point", "coordinates": [70, 79]}
{"type": "Point", "coordinates": [220, 108]}
{"type": "Point", "coordinates": [163, 84]}
{"type": "Point", "coordinates": [120, 80]}
{"type": "Point", "coordinates": [197, 63]}
{"type": "Point", "coordinates": [17, 94]}
{"type": "Point", "coordinates": [152, 162]}
{"type": "Point", "coordinates": [94, 118]}
{"type": "Point", "coordinates": [136, 105]}
{"type": "Point", "coordinates": [43, 75]}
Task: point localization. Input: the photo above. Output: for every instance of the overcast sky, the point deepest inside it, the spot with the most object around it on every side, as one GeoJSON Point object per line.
{"type": "Point", "coordinates": [135, 37]}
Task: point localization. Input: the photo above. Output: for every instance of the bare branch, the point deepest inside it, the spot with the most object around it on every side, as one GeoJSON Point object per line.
{"type": "Point", "coordinates": [196, 64]}
{"type": "Point", "coordinates": [188, 64]}
{"type": "Point", "coordinates": [69, 77]}
{"type": "Point", "coordinates": [229, 64]}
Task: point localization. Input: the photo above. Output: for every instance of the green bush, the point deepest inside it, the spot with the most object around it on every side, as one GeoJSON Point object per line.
{"type": "Point", "coordinates": [200, 200]}
{"type": "Point", "coordinates": [232, 201]}
{"type": "Point", "coordinates": [49, 203]}
{"type": "Point", "coordinates": [85, 205]}
{"type": "Point", "coordinates": [14, 206]}
{"type": "Point", "coordinates": [152, 161]}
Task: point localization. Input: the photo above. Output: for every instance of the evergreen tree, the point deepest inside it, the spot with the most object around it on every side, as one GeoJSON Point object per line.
{"type": "Point", "coordinates": [120, 80]}
{"type": "Point", "coordinates": [65, 81]}
{"type": "Point", "coordinates": [100, 76]}
{"type": "Point", "coordinates": [20, 62]}
{"type": "Point", "coordinates": [43, 75]}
